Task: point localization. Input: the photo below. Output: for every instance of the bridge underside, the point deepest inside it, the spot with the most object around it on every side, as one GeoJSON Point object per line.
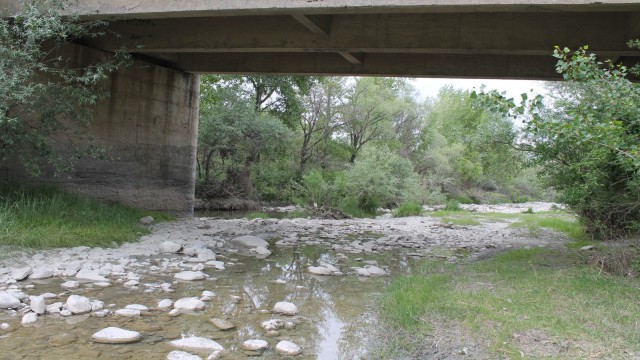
{"type": "Point", "coordinates": [500, 41]}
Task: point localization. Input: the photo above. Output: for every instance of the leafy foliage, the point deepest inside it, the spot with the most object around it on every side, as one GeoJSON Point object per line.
{"type": "Point", "coordinates": [41, 93]}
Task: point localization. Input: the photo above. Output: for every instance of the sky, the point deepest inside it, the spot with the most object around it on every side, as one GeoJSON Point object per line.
{"type": "Point", "coordinates": [430, 87]}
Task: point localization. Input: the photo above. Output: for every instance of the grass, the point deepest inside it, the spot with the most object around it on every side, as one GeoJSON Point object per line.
{"type": "Point", "coordinates": [46, 217]}
{"type": "Point", "coordinates": [532, 304]}
{"type": "Point", "coordinates": [257, 215]}
{"type": "Point", "coordinates": [558, 221]}
{"type": "Point", "coordinates": [408, 209]}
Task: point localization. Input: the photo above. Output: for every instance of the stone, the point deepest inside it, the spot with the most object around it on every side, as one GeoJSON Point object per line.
{"type": "Point", "coordinates": [21, 273]}
{"type": "Point", "coordinates": [63, 339]}
{"type": "Point", "coordinates": [272, 324]}
{"type": "Point", "coordinates": [208, 293]}
{"type": "Point", "coordinates": [137, 307]}
{"type": "Point", "coordinates": [165, 303]}
{"type": "Point", "coordinates": [289, 325]}
{"type": "Point", "coordinates": [288, 348]}
{"type": "Point", "coordinates": [196, 343]}
{"type": "Point", "coordinates": [78, 304]}
{"type": "Point", "coordinates": [375, 271]}
{"type": "Point", "coordinates": [49, 295]}
{"type": "Point", "coordinates": [197, 267]}
{"type": "Point", "coordinates": [285, 308]}
{"type": "Point", "coordinates": [182, 355]}
{"type": "Point", "coordinates": [218, 265]}
{"type": "Point", "coordinates": [65, 313]}
{"type": "Point", "coordinates": [190, 275]}
{"type": "Point", "coordinates": [53, 308]}
{"type": "Point", "coordinates": [147, 220]}
{"type": "Point", "coordinates": [319, 270]}
{"type": "Point", "coordinates": [588, 247]}
{"type": "Point", "coordinates": [71, 284]}
{"type": "Point", "coordinates": [29, 318]}
{"type": "Point", "coordinates": [40, 273]}
{"type": "Point", "coordinates": [222, 324]}
{"type": "Point", "coordinates": [5, 326]}
{"type": "Point", "coordinates": [255, 345]}
{"type": "Point", "coordinates": [169, 247]}
{"type": "Point", "coordinates": [174, 312]}
{"type": "Point", "coordinates": [248, 242]}
{"type": "Point", "coordinates": [331, 268]}
{"type": "Point", "coordinates": [97, 305]}
{"type": "Point", "coordinates": [114, 335]}
{"type": "Point", "coordinates": [205, 254]}
{"type": "Point", "coordinates": [91, 275]}
{"type": "Point", "coordinates": [128, 312]}
{"type": "Point", "coordinates": [102, 284]}
{"type": "Point", "coordinates": [261, 250]}
{"type": "Point", "coordinates": [37, 305]}
{"type": "Point", "coordinates": [8, 301]}
{"type": "Point", "coordinates": [72, 269]}
{"type": "Point", "coordinates": [189, 304]}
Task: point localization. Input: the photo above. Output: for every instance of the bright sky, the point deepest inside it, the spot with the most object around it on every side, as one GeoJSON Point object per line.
{"type": "Point", "coordinates": [430, 87]}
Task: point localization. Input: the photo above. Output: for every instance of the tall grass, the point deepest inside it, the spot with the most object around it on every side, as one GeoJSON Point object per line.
{"type": "Point", "coordinates": [47, 217]}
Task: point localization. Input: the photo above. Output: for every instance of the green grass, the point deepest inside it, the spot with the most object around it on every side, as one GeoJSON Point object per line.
{"type": "Point", "coordinates": [452, 205]}
{"type": "Point", "coordinates": [557, 221]}
{"type": "Point", "coordinates": [408, 209]}
{"type": "Point", "coordinates": [46, 217]}
{"type": "Point", "coordinates": [257, 215]}
{"type": "Point", "coordinates": [532, 304]}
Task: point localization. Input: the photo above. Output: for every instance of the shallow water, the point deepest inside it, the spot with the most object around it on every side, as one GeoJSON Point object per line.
{"type": "Point", "coordinates": [336, 314]}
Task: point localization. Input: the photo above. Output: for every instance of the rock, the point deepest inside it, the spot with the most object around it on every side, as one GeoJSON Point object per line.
{"type": "Point", "coordinates": [588, 247]}
{"type": "Point", "coordinates": [37, 305]}
{"type": "Point", "coordinates": [319, 270]}
{"type": "Point", "coordinates": [255, 345]}
{"type": "Point", "coordinates": [65, 313]}
{"type": "Point", "coordinates": [248, 242]}
{"type": "Point", "coordinates": [169, 247]}
{"type": "Point", "coordinates": [40, 273]}
{"type": "Point", "coordinates": [189, 304]}
{"type": "Point", "coordinates": [195, 343]}
{"type": "Point", "coordinates": [218, 265]}
{"type": "Point", "coordinates": [128, 312]}
{"type": "Point", "coordinates": [272, 325]}
{"type": "Point", "coordinates": [97, 305]}
{"type": "Point", "coordinates": [208, 293]}
{"type": "Point", "coordinates": [29, 318]}
{"type": "Point", "coordinates": [147, 220]}
{"type": "Point", "coordinates": [8, 301]}
{"type": "Point", "coordinates": [114, 335]}
{"type": "Point", "coordinates": [165, 303]}
{"type": "Point", "coordinates": [5, 326]}
{"type": "Point", "coordinates": [138, 307]}
{"type": "Point", "coordinates": [222, 324]}
{"type": "Point", "coordinates": [331, 268]}
{"type": "Point", "coordinates": [288, 348]}
{"type": "Point", "coordinates": [72, 269]}
{"type": "Point", "coordinates": [181, 355]}
{"type": "Point", "coordinates": [174, 312]}
{"type": "Point", "coordinates": [53, 308]}
{"type": "Point", "coordinates": [375, 271]}
{"type": "Point", "coordinates": [205, 254]}
{"type": "Point", "coordinates": [285, 308]}
{"type": "Point", "coordinates": [49, 295]}
{"type": "Point", "coordinates": [261, 250]}
{"type": "Point", "coordinates": [21, 273]}
{"type": "Point", "coordinates": [78, 304]}
{"type": "Point", "coordinates": [197, 267]}
{"type": "Point", "coordinates": [63, 339]}
{"type": "Point", "coordinates": [102, 284]}
{"type": "Point", "coordinates": [71, 284]}
{"type": "Point", "coordinates": [91, 275]}
{"type": "Point", "coordinates": [289, 325]}
{"type": "Point", "coordinates": [190, 275]}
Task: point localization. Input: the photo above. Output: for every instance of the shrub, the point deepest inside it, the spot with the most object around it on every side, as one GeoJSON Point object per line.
{"type": "Point", "coordinates": [452, 205]}
{"type": "Point", "coordinates": [409, 208]}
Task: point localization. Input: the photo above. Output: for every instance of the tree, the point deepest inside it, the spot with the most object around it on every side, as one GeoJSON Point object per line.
{"type": "Point", "coordinates": [41, 93]}
{"type": "Point", "coordinates": [588, 143]}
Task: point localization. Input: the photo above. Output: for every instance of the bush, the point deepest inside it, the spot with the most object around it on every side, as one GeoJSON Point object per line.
{"type": "Point", "coordinates": [409, 208]}
{"type": "Point", "coordinates": [452, 205]}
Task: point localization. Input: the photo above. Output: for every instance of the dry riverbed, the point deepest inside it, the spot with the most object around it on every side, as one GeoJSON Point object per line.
{"type": "Point", "coordinates": [214, 288]}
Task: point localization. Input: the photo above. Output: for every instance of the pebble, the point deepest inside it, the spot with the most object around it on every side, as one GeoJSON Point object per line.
{"type": "Point", "coordinates": [189, 304]}
{"type": "Point", "coordinates": [63, 339]}
{"type": "Point", "coordinates": [165, 303]}
{"type": "Point", "coordinates": [5, 326]}
{"type": "Point", "coordinates": [29, 318]}
{"type": "Point", "coordinates": [138, 307]}
{"type": "Point", "coordinates": [273, 324]}
{"type": "Point", "coordinates": [114, 335]}
{"type": "Point", "coordinates": [196, 343]}
{"type": "Point", "coordinates": [147, 220]}
{"type": "Point", "coordinates": [222, 324]}
{"type": "Point", "coordinates": [288, 348]}
{"type": "Point", "coordinates": [285, 308]}
{"type": "Point", "coordinates": [255, 345]}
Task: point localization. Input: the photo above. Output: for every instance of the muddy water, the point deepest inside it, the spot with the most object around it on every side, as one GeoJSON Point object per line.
{"type": "Point", "coordinates": [336, 314]}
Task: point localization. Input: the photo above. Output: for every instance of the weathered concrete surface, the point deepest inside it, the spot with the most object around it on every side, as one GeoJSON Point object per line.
{"type": "Point", "coordinates": [149, 126]}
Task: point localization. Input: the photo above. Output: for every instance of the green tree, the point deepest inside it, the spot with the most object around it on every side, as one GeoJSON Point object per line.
{"type": "Point", "coordinates": [42, 94]}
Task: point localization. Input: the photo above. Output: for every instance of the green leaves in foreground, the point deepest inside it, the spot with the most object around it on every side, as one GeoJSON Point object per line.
{"type": "Point", "coordinates": [50, 218]}
{"type": "Point", "coordinates": [546, 292]}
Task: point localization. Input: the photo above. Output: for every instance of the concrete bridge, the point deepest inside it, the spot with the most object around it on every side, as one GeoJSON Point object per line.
{"type": "Point", "coordinates": [150, 119]}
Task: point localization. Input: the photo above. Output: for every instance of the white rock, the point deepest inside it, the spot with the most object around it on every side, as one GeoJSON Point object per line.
{"type": "Point", "coordinates": [92, 275]}
{"type": "Point", "coordinates": [362, 272]}
{"type": "Point", "coordinates": [208, 293]}
{"type": "Point", "coordinates": [29, 318]}
{"type": "Point", "coordinates": [261, 250]}
{"type": "Point", "coordinates": [181, 355]}
{"type": "Point", "coordinates": [4, 326]}
{"type": "Point", "coordinates": [99, 313]}
{"type": "Point", "coordinates": [248, 242]}
{"type": "Point", "coordinates": [78, 304]}
{"type": "Point", "coordinates": [128, 312]}
{"type": "Point", "coordinates": [319, 270]}
{"type": "Point", "coordinates": [191, 303]}
{"type": "Point", "coordinates": [255, 345]}
{"type": "Point", "coordinates": [147, 220]}
{"type": "Point", "coordinates": [72, 269]}
{"type": "Point", "coordinates": [272, 325]}
{"type": "Point", "coordinates": [375, 271]}
{"type": "Point", "coordinates": [174, 312]}
{"type": "Point", "coordinates": [165, 303]}
{"type": "Point", "coordinates": [114, 335]}
{"type": "Point", "coordinates": [21, 273]}
{"type": "Point", "coordinates": [8, 301]}
{"type": "Point", "coordinates": [218, 265]}
{"type": "Point", "coordinates": [49, 295]}
{"type": "Point", "coordinates": [40, 273]}
{"type": "Point", "coordinates": [97, 305]}
{"type": "Point", "coordinates": [139, 307]}
{"type": "Point", "coordinates": [131, 283]}
{"type": "Point", "coordinates": [285, 308]}
{"type": "Point", "coordinates": [288, 348]}
{"type": "Point", "coordinates": [205, 254]}
{"type": "Point", "coordinates": [37, 304]}
{"type": "Point", "coordinates": [169, 247]}
{"type": "Point", "coordinates": [102, 284]}
{"type": "Point", "coordinates": [71, 284]}
{"type": "Point", "coordinates": [197, 267]}
{"type": "Point", "coordinates": [65, 313]}
{"type": "Point", "coordinates": [53, 308]}
{"type": "Point", "coordinates": [196, 343]}
{"type": "Point", "coordinates": [332, 268]}
{"type": "Point", "coordinates": [190, 275]}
